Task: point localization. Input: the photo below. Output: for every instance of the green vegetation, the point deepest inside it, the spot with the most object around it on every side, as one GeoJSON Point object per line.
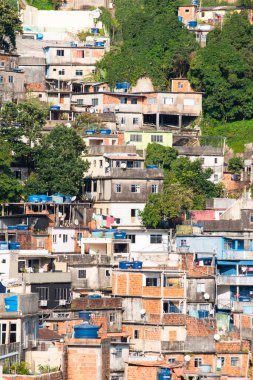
{"type": "Point", "coordinates": [21, 368]}
{"type": "Point", "coordinates": [186, 186]}
{"type": "Point", "coordinates": [148, 41]}
{"type": "Point", "coordinates": [223, 70]}
{"type": "Point", "coordinates": [235, 165]}
{"type": "Point", "coordinates": [86, 121]}
{"type": "Point", "coordinates": [237, 133]}
{"type": "Point", "coordinates": [45, 4]}
{"type": "Point", "coordinates": [10, 24]}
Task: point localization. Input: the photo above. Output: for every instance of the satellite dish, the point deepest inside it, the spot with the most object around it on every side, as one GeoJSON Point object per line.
{"type": "Point", "coordinates": [216, 337]}
{"type": "Point", "coordinates": [92, 110]}
{"type": "Point", "coordinates": [116, 108]}
{"type": "Point", "coordinates": [123, 165]}
{"type": "Point", "coordinates": [187, 358]}
{"type": "Point", "coordinates": [73, 198]}
{"type": "Point", "coordinates": [206, 296]}
{"type": "Point", "coordinates": [143, 311]}
{"type": "Point", "coordinates": [107, 164]}
{"type": "Point", "coordinates": [68, 125]}
{"type": "Point", "coordinates": [76, 222]}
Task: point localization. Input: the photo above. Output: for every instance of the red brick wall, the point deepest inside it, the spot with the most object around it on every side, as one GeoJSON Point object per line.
{"type": "Point", "coordinates": [47, 376]}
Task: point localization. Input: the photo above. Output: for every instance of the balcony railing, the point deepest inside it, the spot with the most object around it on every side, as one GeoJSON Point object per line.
{"type": "Point", "coordinates": [40, 278]}
{"type": "Point", "coordinates": [234, 280]}
{"type": "Point", "coordinates": [173, 346]}
{"type": "Point", "coordinates": [7, 350]}
{"type": "Point", "coordinates": [236, 255]}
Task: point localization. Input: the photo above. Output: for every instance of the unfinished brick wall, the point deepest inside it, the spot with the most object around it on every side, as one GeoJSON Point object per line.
{"type": "Point", "coordinates": [193, 270]}
{"type": "Point", "coordinates": [152, 306]}
{"type": "Point", "coordinates": [233, 346]}
{"type": "Point", "coordinates": [199, 327]}
{"type": "Point", "coordinates": [64, 327]}
{"type": "Point", "coordinates": [47, 376]}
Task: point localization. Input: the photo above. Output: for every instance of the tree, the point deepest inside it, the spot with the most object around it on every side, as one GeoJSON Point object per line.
{"type": "Point", "coordinates": [160, 155]}
{"type": "Point", "coordinates": [223, 70]}
{"type": "Point", "coordinates": [10, 24]}
{"type": "Point", "coordinates": [86, 121]}
{"type": "Point", "coordinates": [59, 163]}
{"type": "Point", "coordinates": [21, 124]}
{"type": "Point", "coordinates": [10, 188]}
{"type": "Point", "coordinates": [235, 165]}
{"type": "Point", "coordinates": [168, 206]}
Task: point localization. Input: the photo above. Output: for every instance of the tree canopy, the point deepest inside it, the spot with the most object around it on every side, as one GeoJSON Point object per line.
{"type": "Point", "coordinates": [148, 41]}
{"type": "Point", "coordinates": [160, 155]}
{"type": "Point", "coordinates": [9, 25]}
{"type": "Point", "coordinates": [223, 70]}
{"type": "Point", "coordinates": [59, 166]}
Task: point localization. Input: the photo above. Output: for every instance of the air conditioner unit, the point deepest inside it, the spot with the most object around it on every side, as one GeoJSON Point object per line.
{"type": "Point", "coordinates": [62, 302]}
{"type": "Point", "coordinates": [43, 303]}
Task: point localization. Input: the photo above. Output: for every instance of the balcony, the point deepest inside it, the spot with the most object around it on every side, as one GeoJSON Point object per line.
{"type": "Point", "coordinates": [236, 255]}
{"type": "Point", "coordinates": [224, 304]}
{"type": "Point", "coordinates": [45, 277]}
{"type": "Point", "coordinates": [8, 350]}
{"type": "Point", "coordinates": [234, 280]}
{"type": "Point", "coordinates": [238, 306]}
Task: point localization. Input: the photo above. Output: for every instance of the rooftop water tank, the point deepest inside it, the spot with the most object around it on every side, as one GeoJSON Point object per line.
{"type": "Point", "coordinates": [3, 245]}
{"type": "Point", "coordinates": [193, 24]}
{"type": "Point", "coordinates": [152, 167]}
{"type": "Point", "coordinates": [14, 245]}
{"type": "Point", "coordinates": [105, 131]}
{"type": "Point", "coordinates": [86, 331]}
{"type": "Point", "coordinates": [34, 199]}
{"type": "Point", "coordinates": [11, 304]}
{"type": "Point", "coordinates": [137, 264]}
{"type": "Point", "coordinates": [203, 313]}
{"type": "Point", "coordinates": [39, 36]}
{"type": "Point", "coordinates": [94, 296]}
{"type": "Point", "coordinates": [180, 18]}
{"type": "Point", "coordinates": [55, 108]}
{"type": "Point", "coordinates": [85, 315]}
{"type": "Point", "coordinates": [22, 227]}
{"type": "Point", "coordinates": [44, 198]}
{"type": "Point", "coordinates": [90, 132]}
{"type": "Point", "coordinates": [12, 228]}
{"type": "Point", "coordinates": [120, 235]}
{"type": "Point", "coordinates": [122, 86]}
{"type": "Point", "coordinates": [165, 374]}
{"type": "Point", "coordinates": [95, 30]}
{"type": "Point", "coordinates": [124, 264]}
{"type": "Point", "coordinates": [194, 313]}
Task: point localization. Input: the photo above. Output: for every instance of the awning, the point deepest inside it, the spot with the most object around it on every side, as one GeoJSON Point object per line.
{"type": "Point", "coordinates": [233, 263]}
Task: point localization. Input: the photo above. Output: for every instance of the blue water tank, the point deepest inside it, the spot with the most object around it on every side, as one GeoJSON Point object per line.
{"type": "Point", "coordinates": [34, 199]}
{"type": "Point", "coordinates": [247, 309]}
{"type": "Point", "coordinates": [90, 132]}
{"type": "Point", "coordinates": [120, 235]}
{"type": "Point", "coordinates": [95, 30]}
{"type": "Point", "coordinates": [125, 264]}
{"type": "Point", "coordinates": [193, 24]}
{"type": "Point", "coordinates": [99, 44]}
{"type": "Point", "coordinates": [12, 228]}
{"type": "Point", "coordinates": [97, 234]}
{"type": "Point", "coordinates": [180, 18]}
{"type": "Point", "coordinates": [43, 198]}
{"type": "Point", "coordinates": [14, 245]}
{"type": "Point", "coordinates": [122, 86]}
{"type": "Point", "coordinates": [195, 2]}
{"type": "Point", "coordinates": [11, 304]}
{"type": "Point", "coordinates": [85, 315]}
{"type": "Point", "coordinates": [203, 313]}
{"type": "Point", "coordinates": [109, 234]}
{"type": "Point", "coordinates": [165, 374]}
{"type": "Point", "coordinates": [68, 198]}
{"type": "Point", "coordinates": [137, 264]}
{"type": "Point", "coordinates": [105, 131]}
{"type": "Point", "coordinates": [58, 198]}
{"type": "Point", "coordinates": [86, 331]}
{"type": "Point", "coordinates": [55, 108]}
{"type": "Point", "coordinates": [39, 36]}
{"type": "Point", "coordinates": [152, 166]}
{"type": "Point", "coordinates": [194, 313]}
{"type": "Point", "coordinates": [94, 296]}
{"type": "Point", "coordinates": [244, 298]}
{"type": "Point", "coordinates": [22, 227]}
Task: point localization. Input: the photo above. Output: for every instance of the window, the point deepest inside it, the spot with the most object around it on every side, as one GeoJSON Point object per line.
{"type": "Point", "coordinates": [131, 237]}
{"type": "Point", "coordinates": [155, 239]}
{"type": "Point", "coordinates": [251, 218]}
{"type": "Point", "coordinates": [112, 317]}
{"type": "Point", "coordinates": [136, 138]}
{"type": "Point", "coordinates": [234, 361]}
{"type": "Point", "coordinates": [134, 101]}
{"type": "Point", "coordinates": [171, 360]}
{"type": "Point", "coordinates": [65, 238]}
{"type": "Point", "coordinates": [152, 281]}
{"type": "Point", "coordinates": [154, 188]}
{"type": "Point", "coordinates": [116, 377]}
{"type": "Point", "coordinates": [123, 100]}
{"type": "Point", "coordinates": [95, 186]}
{"type": "Point", "coordinates": [79, 54]}
{"type": "Point", "coordinates": [79, 236]}
{"type": "Point", "coordinates": [201, 288]}
{"type": "Point", "coordinates": [156, 138]}
{"type": "Point", "coordinates": [25, 333]}
{"type": "Point", "coordinates": [82, 273]}
{"type": "Point", "coordinates": [133, 164]}
{"type": "Point", "coordinates": [134, 212]}
{"type": "Point", "coordinates": [215, 177]}
{"type": "Point", "coordinates": [54, 238]}
{"type": "Point", "coordinates": [79, 72]}
{"type": "Point", "coordinates": [40, 95]}
{"type": "Point", "coordinates": [197, 362]}
{"type": "Point", "coordinates": [55, 327]}
{"type": "Point", "coordinates": [151, 100]}
{"type": "Point", "coordinates": [221, 361]}
{"type": "Point", "coordinates": [183, 243]}
{"type": "Point", "coordinates": [135, 120]}
{"type": "Point", "coordinates": [60, 53]}
{"type": "Point", "coordinates": [1, 79]}
{"type": "Point", "coordinates": [93, 71]}
{"type": "Point", "coordinates": [43, 293]}
{"type": "Point", "coordinates": [168, 101]}
{"type": "Point", "coordinates": [100, 163]}
{"type": "Point", "coordinates": [107, 273]}
{"type": "Point", "coordinates": [94, 102]}
{"type": "Point", "coordinates": [135, 188]}
{"type": "Point", "coordinates": [117, 164]}
{"type": "Point", "coordinates": [118, 352]}
{"type": "Point", "coordinates": [3, 327]}
{"type": "Point", "coordinates": [215, 160]}
{"type": "Point", "coordinates": [187, 10]}
{"type": "Point", "coordinates": [1, 64]}
{"type": "Point", "coordinates": [202, 14]}
{"type": "Point", "coordinates": [118, 188]}
{"type": "Point", "coordinates": [180, 85]}
{"type": "Point", "coordinates": [136, 334]}
{"type": "Point", "coordinates": [202, 160]}
{"type": "Point", "coordinates": [61, 72]}
{"type": "Point", "coordinates": [123, 120]}
{"type": "Point", "coordinates": [79, 102]}
{"type": "Point", "coordinates": [94, 163]}
{"type": "Point", "coordinates": [10, 79]}
{"type": "Point", "coordinates": [61, 294]}
{"type": "Point", "coordinates": [189, 102]}
{"type": "Point", "coordinates": [13, 333]}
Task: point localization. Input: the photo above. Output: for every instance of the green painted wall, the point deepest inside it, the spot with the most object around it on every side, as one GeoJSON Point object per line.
{"type": "Point", "coordinates": [146, 137]}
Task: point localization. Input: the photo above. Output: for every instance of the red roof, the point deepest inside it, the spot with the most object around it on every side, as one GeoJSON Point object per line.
{"type": "Point", "coordinates": [46, 334]}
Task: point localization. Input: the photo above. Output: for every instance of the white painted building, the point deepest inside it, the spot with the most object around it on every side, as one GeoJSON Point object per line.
{"type": "Point", "coordinates": [63, 240]}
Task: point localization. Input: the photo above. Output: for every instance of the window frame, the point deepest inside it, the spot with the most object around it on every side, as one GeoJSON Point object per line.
{"type": "Point", "coordinates": [82, 274]}
{"type": "Point", "coordinates": [234, 358]}
{"type": "Point", "coordinates": [135, 188]}
{"type": "Point", "coordinates": [154, 187]}
{"type": "Point", "coordinates": [156, 239]}
{"type": "Point", "coordinates": [60, 52]}
{"type": "Point", "coordinates": [118, 188]}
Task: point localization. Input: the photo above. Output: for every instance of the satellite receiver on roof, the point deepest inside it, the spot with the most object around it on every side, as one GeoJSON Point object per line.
{"type": "Point", "coordinates": [123, 165]}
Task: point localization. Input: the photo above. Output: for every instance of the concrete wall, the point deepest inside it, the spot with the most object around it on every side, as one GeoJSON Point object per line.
{"type": "Point", "coordinates": [146, 138]}
{"type": "Point", "coordinates": [208, 244]}
{"type": "Point", "coordinates": [194, 296]}
{"type": "Point", "coordinates": [61, 246]}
